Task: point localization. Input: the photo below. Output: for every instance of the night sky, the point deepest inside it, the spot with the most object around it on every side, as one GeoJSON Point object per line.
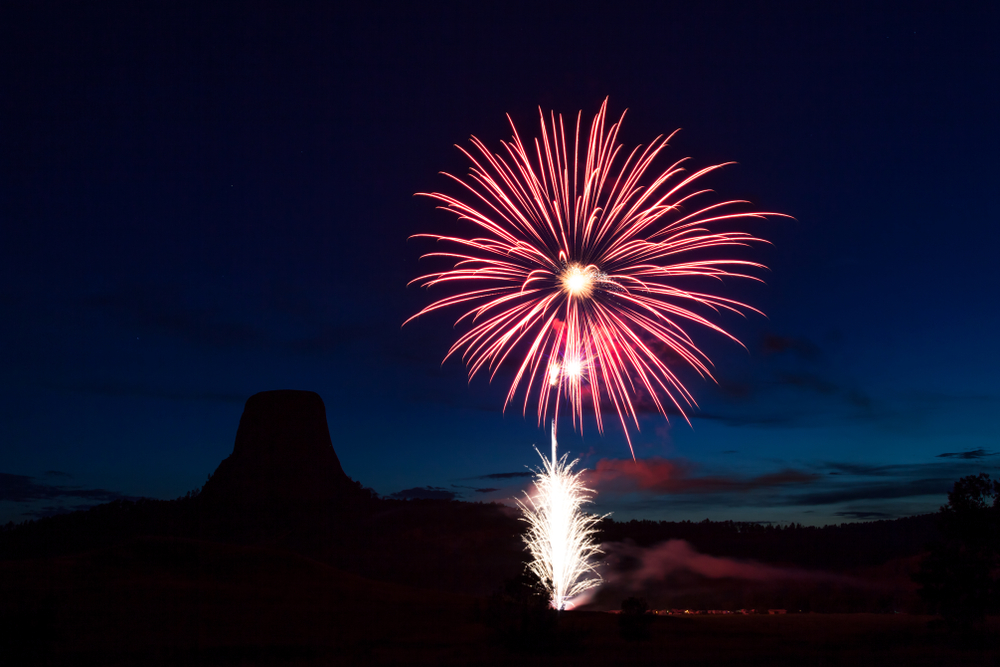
{"type": "Point", "coordinates": [200, 201]}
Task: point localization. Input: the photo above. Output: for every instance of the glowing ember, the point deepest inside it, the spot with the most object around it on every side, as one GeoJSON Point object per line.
{"type": "Point", "coordinates": [560, 533]}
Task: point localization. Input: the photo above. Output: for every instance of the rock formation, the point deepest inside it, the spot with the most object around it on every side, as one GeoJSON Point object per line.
{"type": "Point", "coordinates": [283, 469]}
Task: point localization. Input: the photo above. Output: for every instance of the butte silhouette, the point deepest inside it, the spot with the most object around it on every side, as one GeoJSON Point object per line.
{"type": "Point", "coordinates": [283, 475]}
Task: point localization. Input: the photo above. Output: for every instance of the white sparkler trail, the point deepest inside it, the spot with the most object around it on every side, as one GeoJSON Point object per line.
{"type": "Point", "coordinates": [560, 533]}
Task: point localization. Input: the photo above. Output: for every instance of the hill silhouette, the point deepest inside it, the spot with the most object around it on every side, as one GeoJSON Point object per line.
{"type": "Point", "coordinates": [280, 545]}
{"type": "Point", "coordinates": [283, 487]}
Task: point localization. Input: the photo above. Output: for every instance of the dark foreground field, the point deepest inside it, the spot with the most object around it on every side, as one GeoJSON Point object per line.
{"type": "Point", "coordinates": [167, 601]}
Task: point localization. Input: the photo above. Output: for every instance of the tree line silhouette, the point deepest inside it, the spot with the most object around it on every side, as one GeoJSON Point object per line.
{"type": "Point", "coordinates": [450, 543]}
{"type": "Point", "coordinates": [832, 547]}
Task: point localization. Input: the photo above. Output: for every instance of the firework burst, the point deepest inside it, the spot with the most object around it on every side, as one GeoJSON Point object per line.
{"type": "Point", "coordinates": [560, 533]}
{"type": "Point", "coordinates": [576, 267]}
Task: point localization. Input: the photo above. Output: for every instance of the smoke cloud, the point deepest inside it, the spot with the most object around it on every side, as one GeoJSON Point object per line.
{"type": "Point", "coordinates": [633, 567]}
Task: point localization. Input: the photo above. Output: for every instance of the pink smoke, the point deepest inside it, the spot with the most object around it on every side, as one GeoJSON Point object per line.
{"type": "Point", "coordinates": [656, 563]}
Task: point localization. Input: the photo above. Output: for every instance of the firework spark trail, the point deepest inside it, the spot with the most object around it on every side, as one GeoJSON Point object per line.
{"type": "Point", "coordinates": [560, 533]}
{"type": "Point", "coordinates": [579, 263]}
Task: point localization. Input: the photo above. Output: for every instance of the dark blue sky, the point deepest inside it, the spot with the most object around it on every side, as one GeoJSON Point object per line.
{"type": "Point", "coordinates": [200, 201]}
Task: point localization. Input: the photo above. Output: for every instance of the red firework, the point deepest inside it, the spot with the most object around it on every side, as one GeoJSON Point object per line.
{"type": "Point", "coordinates": [576, 264]}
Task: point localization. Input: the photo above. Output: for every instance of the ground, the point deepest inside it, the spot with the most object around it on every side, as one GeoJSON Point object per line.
{"type": "Point", "coordinates": [163, 601]}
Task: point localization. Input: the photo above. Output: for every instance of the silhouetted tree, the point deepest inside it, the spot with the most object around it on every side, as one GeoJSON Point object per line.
{"type": "Point", "coordinates": [633, 622]}
{"type": "Point", "coordinates": [27, 631]}
{"type": "Point", "coordinates": [960, 575]}
{"type": "Point", "coordinates": [520, 616]}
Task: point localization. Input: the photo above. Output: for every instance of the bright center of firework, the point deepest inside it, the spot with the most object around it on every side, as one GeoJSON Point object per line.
{"type": "Point", "coordinates": [578, 280]}
{"type": "Point", "coordinates": [574, 368]}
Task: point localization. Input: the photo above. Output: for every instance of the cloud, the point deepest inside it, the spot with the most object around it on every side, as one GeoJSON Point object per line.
{"type": "Point", "coordinates": [877, 491]}
{"type": "Point", "coordinates": [971, 454]}
{"type": "Point", "coordinates": [781, 399]}
{"type": "Point", "coordinates": [858, 491]}
{"type": "Point", "coordinates": [793, 398]}
{"type": "Point", "coordinates": [801, 347]}
{"type": "Point", "coordinates": [864, 515]}
{"type": "Point", "coordinates": [505, 475]}
{"type": "Point", "coordinates": [956, 465]}
{"type": "Point", "coordinates": [767, 419]}
{"type": "Point", "coordinates": [809, 381]}
{"type": "Point", "coordinates": [473, 488]}
{"type": "Point", "coordinates": [424, 493]}
{"type": "Point", "coordinates": [22, 489]}
{"type": "Point", "coordinates": [664, 476]}
{"type": "Point", "coordinates": [867, 469]}
{"type": "Point", "coordinates": [860, 402]}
